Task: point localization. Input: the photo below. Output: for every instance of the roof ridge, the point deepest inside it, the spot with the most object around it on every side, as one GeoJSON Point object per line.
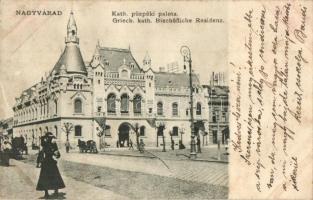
{"type": "Point", "coordinates": [114, 49]}
{"type": "Point", "coordinates": [179, 73]}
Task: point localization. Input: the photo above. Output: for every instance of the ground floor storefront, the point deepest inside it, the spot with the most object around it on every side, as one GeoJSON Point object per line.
{"type": "Point", "coordinates": [124, 133]}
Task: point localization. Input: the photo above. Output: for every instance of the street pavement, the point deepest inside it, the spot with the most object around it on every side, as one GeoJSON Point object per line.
{"type": "Point", "coordinates": [196, 171]}
{"type": "Point", "coordinates": [203, 172]}
{"type": "Point", "coordinates": [19, 182]}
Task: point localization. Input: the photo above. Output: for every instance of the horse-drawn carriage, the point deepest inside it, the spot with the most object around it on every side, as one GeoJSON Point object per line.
{"type": "Point", "coordinates": [89, 146]}
{"type": "Point", "coordinates": [19, 147]}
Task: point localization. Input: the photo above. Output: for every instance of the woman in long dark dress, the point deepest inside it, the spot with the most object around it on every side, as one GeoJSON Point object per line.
{"type": "Point", "coordinates": [6, 153]}
{"type": "Point", "coordinates": [50, 177]}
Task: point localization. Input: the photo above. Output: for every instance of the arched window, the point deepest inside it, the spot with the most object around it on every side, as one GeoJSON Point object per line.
{"type": "Point", "coordinates": [198, 111]}
{"type": "Point", "coordinates": [124, 103]}
{"type": "Point", "coordinates": [78, 106]}
{"type": "Point", "coordinates": [78, 130]}
{"type": "Point", "coordinates": [142, 131]}
{"type": "Point", "coordinates": [175, 131]}
{"type": "Point", "coordinates": [111, 103]}
{"type": "Point", "coordinates": [160, 108]}
{"type": "Point", "coordinates": [137, 104]}
{"type": "Point", "coordinates": [124, 73]}
{"type": "Point", "coordinates": [175, 109]}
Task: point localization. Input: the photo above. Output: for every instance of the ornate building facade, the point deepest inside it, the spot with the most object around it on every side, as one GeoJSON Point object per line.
{"type": "Point", "coordinates": [113, 87]}
{"type": "Point", "coordinates": [218, 96]}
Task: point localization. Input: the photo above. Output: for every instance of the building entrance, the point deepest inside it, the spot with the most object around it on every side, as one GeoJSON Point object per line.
{"type": "Point", "coordinates": [123, 135]}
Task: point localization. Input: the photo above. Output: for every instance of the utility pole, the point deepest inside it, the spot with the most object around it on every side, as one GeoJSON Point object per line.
{"type": "Point", "coordinates": [185, 52]}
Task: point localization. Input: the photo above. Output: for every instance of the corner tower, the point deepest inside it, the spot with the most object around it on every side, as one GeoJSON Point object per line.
{"type": "Point", "coordinates": [71, 57]}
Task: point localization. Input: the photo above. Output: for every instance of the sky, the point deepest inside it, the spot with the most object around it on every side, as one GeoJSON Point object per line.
{"type": "Point", "coordinates": [31, 45]}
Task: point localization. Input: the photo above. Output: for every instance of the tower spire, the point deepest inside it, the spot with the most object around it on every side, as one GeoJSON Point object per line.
{"type": "Point", "coordinates": [147, 61]}
{"type": "Point", "coordinates": [71, 30]}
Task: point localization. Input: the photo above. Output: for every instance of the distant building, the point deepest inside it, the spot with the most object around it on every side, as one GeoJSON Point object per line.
{"type": "Point", "coordinates": [218, 102]}
{"type": "Point", "coordinates": [6, 127]}
{"type": "Point", "coordinates": [113, 87]}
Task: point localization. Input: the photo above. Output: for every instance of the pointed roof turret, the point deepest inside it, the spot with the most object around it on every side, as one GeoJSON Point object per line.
{"type": "Point", "coordinates": [147, 57]}
{"type": "Point", "coordinates": [147, 61]}
{"type": "Point", "coordinates": [71, 21]}
{"type": "Point", "coordinates": [71, 30]}
{"type": "Point", "coordinates": [97, 50]}
{"type": "Point", "coordinates": [71, 57]}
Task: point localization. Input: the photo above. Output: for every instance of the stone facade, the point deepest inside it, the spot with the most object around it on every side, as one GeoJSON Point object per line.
{"type": "Point", "coordinates": [114, 87]}
{"type": "Point", "coordinates": [218, 109]}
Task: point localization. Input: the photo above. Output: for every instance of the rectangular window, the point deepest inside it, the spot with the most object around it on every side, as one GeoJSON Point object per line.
{"type": "Point", "coordinates": [160, 108]}
{"type": "Point", "coordinates": [150, 110]}
{"type": "Point", "coordinates": [175, 109]}
{"type": "Point", "coordinates": [107, 132]}
{"type": "Point", "coordinates": [223, 117]}
{"type": "Point", "coordinates": [175, 131]}
{"type": "Point", "coordinates": [215, 116]}
{"type": "Point", "coordinates": [142, 131]}
{"type": "Point", "coordinates": [214, 136]}
{"type": "Point", "coordinates": [78, 131]}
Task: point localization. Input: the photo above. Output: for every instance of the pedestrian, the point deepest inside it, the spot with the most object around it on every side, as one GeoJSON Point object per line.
{"type": "Point", "coordinates": [50, 177]}
{"type": "Point", "coordinates": [67, 146]}
{"type": "Point", "coordinates": [172, 144]}
{"type": "Point", "coordinates": [6, 153]}
{"type": "Point", "coordinates": [117, 144]}
{"type": "Point", "coordinates": [198, 144]}
{"type": "Point", "coordinates": [141, 146]}
{"type": "Point", "coordinates": [131, 144]}
{"type": "Point", "coordinates": [39, 158]}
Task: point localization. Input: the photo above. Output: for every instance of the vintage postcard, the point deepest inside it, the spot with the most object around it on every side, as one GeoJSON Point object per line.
{"type": "Point", "coordinates": [156, 99]}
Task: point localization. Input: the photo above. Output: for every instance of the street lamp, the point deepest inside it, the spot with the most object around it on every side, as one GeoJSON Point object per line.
{"type": "Point", "coordinates": [185, 52]}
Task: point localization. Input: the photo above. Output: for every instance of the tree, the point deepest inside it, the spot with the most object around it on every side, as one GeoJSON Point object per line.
{"type": "Point", "coordinates": [136, 129]}
{"type": "Point", "coordinates": [182, 131]}
{"type": "Point", "coordinates": [102, 123]}
{"type": "Point", "coordinates": [172, 142]}
{"type": "Point", "coordinates": [67, 128]}
{"type": "Point", "coordinates": [161, 128]}
{"type": "Point", "coordinates": [203, 133]}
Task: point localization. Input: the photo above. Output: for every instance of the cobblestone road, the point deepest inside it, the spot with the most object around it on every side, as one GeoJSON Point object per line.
{"type": "Point", "coordinates": [197, 171]}
{"type": "Point", "coordinates": [203, 172]}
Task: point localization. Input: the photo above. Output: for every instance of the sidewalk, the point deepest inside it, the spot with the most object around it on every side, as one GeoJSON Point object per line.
{"type": "Point", "coordinates": [23, 179]}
